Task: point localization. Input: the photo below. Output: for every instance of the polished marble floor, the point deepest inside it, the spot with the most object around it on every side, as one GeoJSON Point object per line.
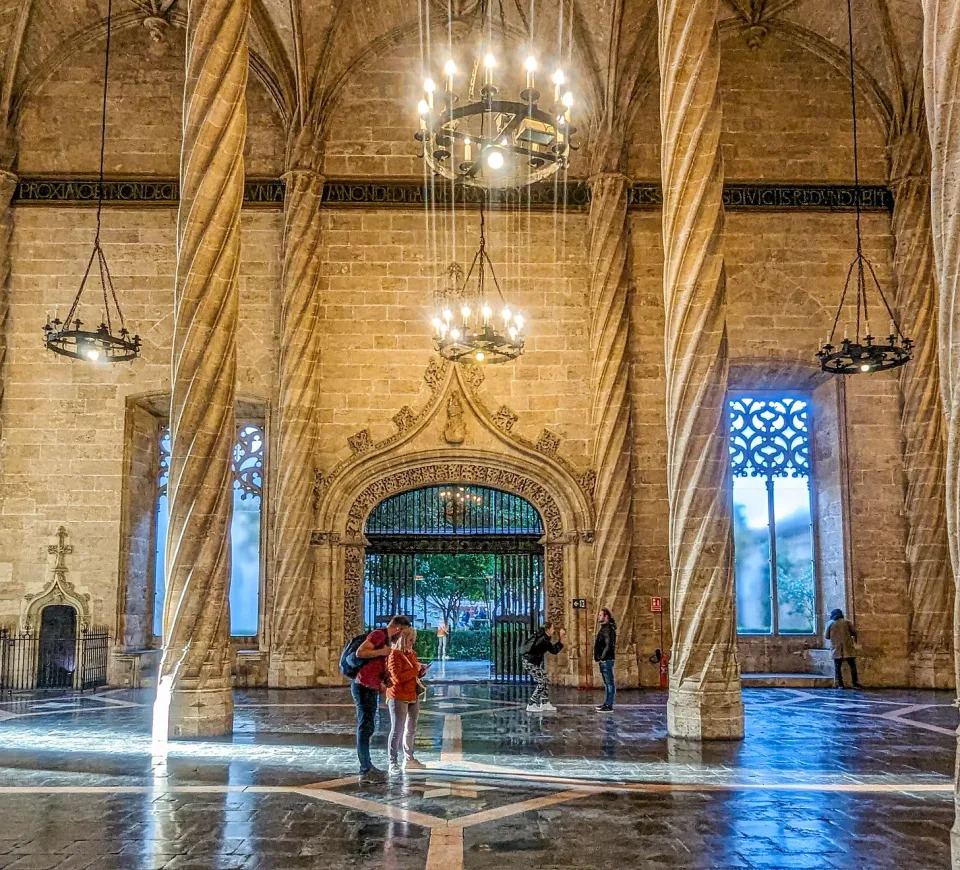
{"type": "Point", "coordinates": [824, 779]}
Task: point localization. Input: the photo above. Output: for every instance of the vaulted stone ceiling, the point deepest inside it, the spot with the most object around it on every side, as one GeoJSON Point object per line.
{"type": "Point", "coordinates": [305, 49]}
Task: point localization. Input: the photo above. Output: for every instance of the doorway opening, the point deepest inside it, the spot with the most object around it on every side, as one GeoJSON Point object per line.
{"type": "Point", "coordinates": [465, 563]}
{"type": "Point", "coordinates": [57, 650]}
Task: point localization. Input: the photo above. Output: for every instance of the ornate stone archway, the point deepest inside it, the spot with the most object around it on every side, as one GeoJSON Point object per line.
{"type": "Point", "coordinates": [453, 472]}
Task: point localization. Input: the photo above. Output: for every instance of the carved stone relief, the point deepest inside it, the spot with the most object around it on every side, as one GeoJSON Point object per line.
{"type": "Point", "coordinates": [548, 442]}
{"type": "Point", "coordinates": [361, 442]}
{"type": "Point", "coordinates": [456, 429]}
{"type": "Point", "coordinates": [58, 591]}
{"type": "Point", "coordinates": [404, 418]}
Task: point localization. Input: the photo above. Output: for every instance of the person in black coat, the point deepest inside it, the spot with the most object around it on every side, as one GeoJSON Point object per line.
{"type": "Point", "coordinates": [604, 654]}
{"type": "Point", "coordinates": [534, 652]}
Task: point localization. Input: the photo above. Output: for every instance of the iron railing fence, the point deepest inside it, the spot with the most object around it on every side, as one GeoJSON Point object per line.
{"type": "Point", "coordinates": [27, 664]}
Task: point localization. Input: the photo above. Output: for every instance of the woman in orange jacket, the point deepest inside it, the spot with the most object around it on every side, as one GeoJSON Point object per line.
{"type": "Point", "coordinates": [403, 668]}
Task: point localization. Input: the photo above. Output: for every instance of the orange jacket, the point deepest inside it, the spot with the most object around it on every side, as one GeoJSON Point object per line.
{"type": "Point", "coordinates": [403, 670]}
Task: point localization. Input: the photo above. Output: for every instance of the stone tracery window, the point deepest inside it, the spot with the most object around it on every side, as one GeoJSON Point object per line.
{"type": "Point", "coordinates": [244, 530]}
{"type": "Point", "coordinates": [772, 517]}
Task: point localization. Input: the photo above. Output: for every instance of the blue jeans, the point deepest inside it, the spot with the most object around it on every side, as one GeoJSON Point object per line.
{"type": "Point", "coordinates": [368, 702]}
{"type": "Point", "coordinates": [606, 671]}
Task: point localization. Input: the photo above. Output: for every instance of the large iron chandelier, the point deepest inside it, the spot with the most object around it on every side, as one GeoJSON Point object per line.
{"type": "Point", "coordinates": [467, 328]}
{"type": "Point", "coordinates": [489, 138]}
{"type": "Point", "coordinates": [67, 337]}
{"type": "Point", "coordinates": [864, 352]}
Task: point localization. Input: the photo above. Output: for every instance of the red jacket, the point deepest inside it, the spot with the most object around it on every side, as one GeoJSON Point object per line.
{"type": "Point", "coordinates": [403, 669]}
{"type": "Point", "coordinates": [371, 674]}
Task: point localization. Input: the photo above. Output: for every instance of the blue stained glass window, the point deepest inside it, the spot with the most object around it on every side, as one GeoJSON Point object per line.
{"type": "Point", "coordinates": [772, 519]}
{"type": "Point", "coordinates": [244, 531]}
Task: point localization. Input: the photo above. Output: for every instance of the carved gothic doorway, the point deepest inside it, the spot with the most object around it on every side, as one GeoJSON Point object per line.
{"type": "Point", "coordinates": [57, 651]}
{"type": "Point", "coordinates": [466, 557]}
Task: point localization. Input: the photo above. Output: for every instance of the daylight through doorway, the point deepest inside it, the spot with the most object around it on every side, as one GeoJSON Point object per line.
{"type": "Point", "coordinates": [465, 563]}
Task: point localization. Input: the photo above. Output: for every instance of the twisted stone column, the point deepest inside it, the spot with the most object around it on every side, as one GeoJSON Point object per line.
{"type": "Point", "coordinates": [196, 663]}
{"type": "Point", "coordinates": [292, 653]}
{"type": "Point", "coordinates": [610, 410]}
{"type": "Point", "coordinates": [941, 80]}
{"type": "Point", "coordinates": [704, 675]}
{"type": "Point", "coordinates": [921, 422]}
{"type": "Point", "coordinates": [8, 183]}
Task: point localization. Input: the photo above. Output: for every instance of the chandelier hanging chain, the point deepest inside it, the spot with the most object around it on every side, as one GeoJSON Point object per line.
{"type": "Point", "coordinates": [66, 337]}
{"type": "Point", "coordinates": [870, 354]}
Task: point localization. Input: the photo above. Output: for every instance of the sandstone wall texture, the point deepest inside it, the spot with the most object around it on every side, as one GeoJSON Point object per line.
{"type": "Point", "coordinates": [64, 425]}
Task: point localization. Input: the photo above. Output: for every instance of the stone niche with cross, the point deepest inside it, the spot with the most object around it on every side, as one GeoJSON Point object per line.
{"type": "Point", "coordinates": [58, 589]}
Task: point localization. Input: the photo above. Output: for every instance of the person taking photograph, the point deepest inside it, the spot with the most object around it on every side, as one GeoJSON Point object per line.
{"type": "Point", "coordinates": [534, 651]}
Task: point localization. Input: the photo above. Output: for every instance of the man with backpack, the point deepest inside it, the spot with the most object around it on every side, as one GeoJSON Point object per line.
{"type": "Point", "coordinates": [363, 660]}
{"type": "Point", "coordinates": [533, 651]}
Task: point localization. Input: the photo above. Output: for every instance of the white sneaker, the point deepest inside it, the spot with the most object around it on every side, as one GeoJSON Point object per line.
{"type": "Point", "coordinates": [413, 764]}
{"type": "Point", "coordinates": [534, 708]}
{"type": "Point", "coordinates": [395, 769]}
{"type": "Point", "coordinates": [548, 708]}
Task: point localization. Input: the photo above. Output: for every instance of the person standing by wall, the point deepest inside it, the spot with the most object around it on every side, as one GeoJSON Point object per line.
{"type": "Point", "coordinates": [403, 701]}
{"type": "Point", "coordinates": [365, 687]}
{"type": "Point", "coordinates": [604, 654]}
{"type": "Point", "coordinates": [534, 651]}
{"type": "Point", "coordinates": [842, 636]}
{"type": "Point", "coordinates": [443, 631]}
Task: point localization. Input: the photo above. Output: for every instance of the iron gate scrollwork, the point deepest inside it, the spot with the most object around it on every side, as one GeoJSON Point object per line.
{"type": "Point", "coordinates": [457, 519]}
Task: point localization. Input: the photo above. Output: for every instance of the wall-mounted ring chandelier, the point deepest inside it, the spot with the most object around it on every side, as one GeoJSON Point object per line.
{"type": "Point", "coordinates": [488, 137]}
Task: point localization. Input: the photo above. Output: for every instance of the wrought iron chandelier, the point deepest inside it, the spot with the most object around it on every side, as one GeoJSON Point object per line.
{"type": "Point", "coordinates": [865, 352]}
{"type": "Point", "coordinates": [490, 139]}
{"type": "Point", "coordinates": [67, 337]}
{"type": "Point", "coordinates": [460, 495]}
{"type": "Point", "coordinates": [466, 326]}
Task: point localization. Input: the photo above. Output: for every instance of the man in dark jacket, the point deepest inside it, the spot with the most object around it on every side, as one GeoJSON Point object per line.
{"type": "Point", "coordinates": [534, 652]}
{"type": "Point", "coordinates": [604, 654]}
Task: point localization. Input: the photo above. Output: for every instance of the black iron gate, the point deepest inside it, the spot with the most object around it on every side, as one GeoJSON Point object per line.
{"type": "Point", "coordinates": [28, 663]}
{"type": "Point", "coordinates": [459, 520]}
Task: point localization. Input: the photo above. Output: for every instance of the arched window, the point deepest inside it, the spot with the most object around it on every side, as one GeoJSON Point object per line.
{"type": "Point", "coordinates": [772, 517]}
{"type": "Point", "coordinates": [244, 530]}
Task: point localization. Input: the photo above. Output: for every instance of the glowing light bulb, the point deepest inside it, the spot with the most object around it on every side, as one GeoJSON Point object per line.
{"type": "Point", "coordinates": [429, 85]}
{"type": "Point", "coordinates": [567, 99]}
{"type": "Point", "coordinates": [489, 61]}
{"type": "Point", "coordinates": [530, 64]}
{"type": "Point", "coordinates": [558, 77]}
{"type": "Point", "coordinates": [512, 332]}
{"type": "Point", "coordinates": [865, 368]}
{"type": "Point", "coordinates": [465, 311]}
{"type": "Point", "coordinates": [455, 334]}
{"type": "Point", "coordinates": [450, 68]}
{"type": "Point", "coordinates": [487, 311]}
{"type": "Point", "coordinates": [93, 354]}
{"type": "Point", "coordinates": [495, 159]}
{"type": "Point", "coordinates": [506, 314]}
{"type": "Point", "coordinates": [504, 141]}
{"type": "Point", "coordinates": [447, 314]}
{"type": "Point", "coordinates": [518, 319]}
{"type": "Point", "coordinates": [480, 356]}
{"type": "Point", "coordinates": [437, 324]}
{"type": "Point", "coordinates": [422, 107]}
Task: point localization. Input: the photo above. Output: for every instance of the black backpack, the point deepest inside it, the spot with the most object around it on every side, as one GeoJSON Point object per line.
{"type": "Point", "coordinates": [527, 646]}
{"type": "Point", "coordinates": [350, 664]}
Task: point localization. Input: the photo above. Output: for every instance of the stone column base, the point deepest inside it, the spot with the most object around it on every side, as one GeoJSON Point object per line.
{"type": "Point", "coordinates": [932, 669]}
{"type": "Point", "coordinates": [292, 672]}
{"type": "Point", "coordinates": [711, 714]}
{"type": "Point", "coordinates": [200, 713]}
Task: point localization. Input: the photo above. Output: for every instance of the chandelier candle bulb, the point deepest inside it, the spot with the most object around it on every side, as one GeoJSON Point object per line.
{"type": "Point", "coordinates": [531, 67]}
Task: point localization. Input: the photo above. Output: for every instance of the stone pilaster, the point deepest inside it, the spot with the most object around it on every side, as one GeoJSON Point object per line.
{"type": "Point", "coordinates": [921, 422]}
{"type": "Point", "coordinates": [610, 412]}
{"type": "Point", "coordinates": [941, 81]}
{"type": "Point", "coordinates": [705, 698]}
{"type": "Point", "coordinates": [292, 645]}
{"type": "Point", "coordinates": [196, 662]}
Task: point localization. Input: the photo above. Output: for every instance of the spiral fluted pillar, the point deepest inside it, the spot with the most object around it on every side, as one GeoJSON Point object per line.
{"type": "Point", "coordinates": [704, 698]}
{"type": "Point", "coordinates": [610, 410]}
{"type": "Point", "coordinates": [292, 648]}
{"type": "Point", "coordinates": [941, 86]}
{"type": "Point", "coordinates": [196, 662]}
{"type": "Point", "coordinates": [8, 183]}
{"type": "Point", "coordinates": [921, 422]}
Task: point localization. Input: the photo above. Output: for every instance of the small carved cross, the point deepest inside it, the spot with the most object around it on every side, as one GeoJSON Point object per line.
{"type": "Point", "coordinates": [60, 550]}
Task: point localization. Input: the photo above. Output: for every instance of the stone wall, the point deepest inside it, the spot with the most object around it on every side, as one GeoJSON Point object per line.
{"type": "Point", "coordinates": [66, 426]}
